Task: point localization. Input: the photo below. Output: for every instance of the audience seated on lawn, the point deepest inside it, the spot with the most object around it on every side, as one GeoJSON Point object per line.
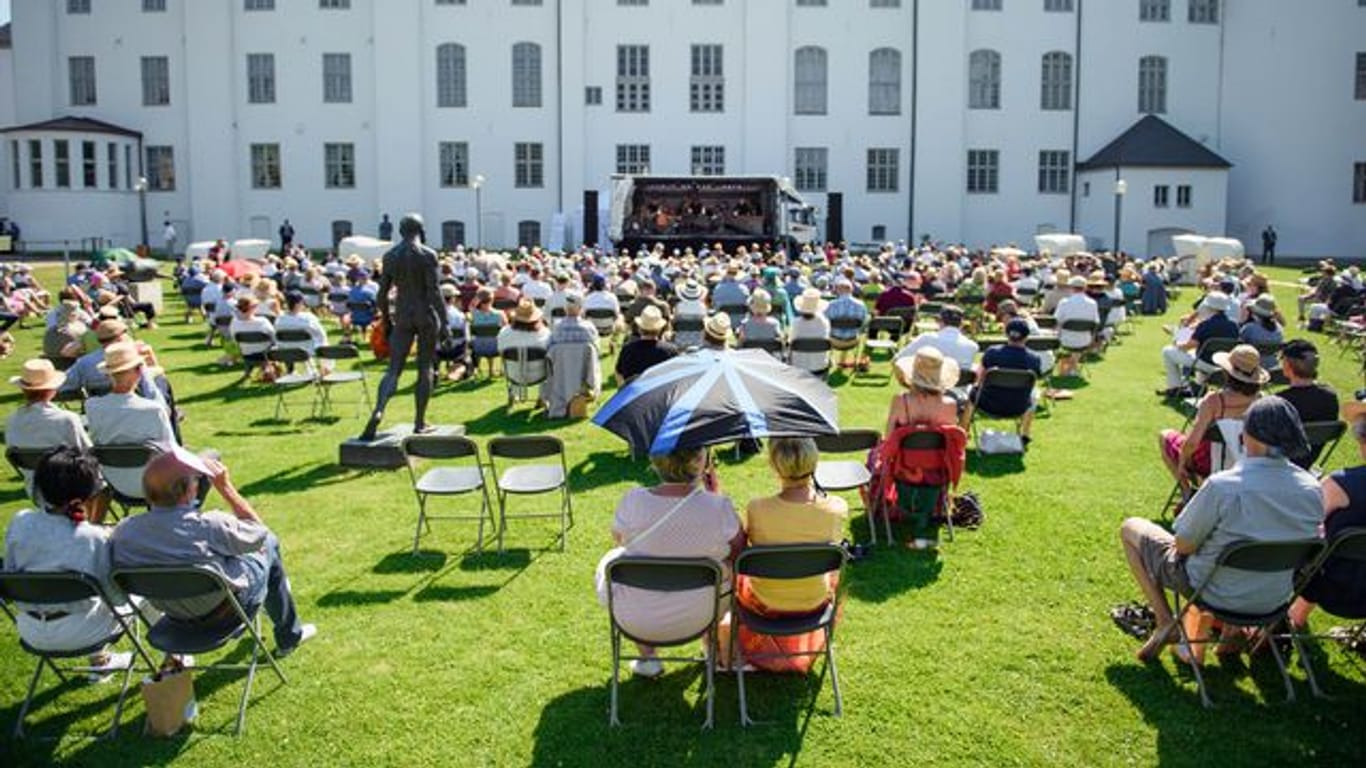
{"type": "Point", "coordinates": [1340, 585]}
{"type": "Point", "coordinates": [38, 423]}
{"type": "Point", "coordinates": [525, 330]}
{"type": "Point", "coordinates": [1191, 456]}
{"type": "Point", "coordinates": [175, 532]}
{"type": "Point", "coordinates": [845, 305]}
{"type": "Point", "coordinates": [948, 340]}
{"type": "Point", "coordinates": [1014, 356]}
{"type": "Point", "coordinates": [760, 326]}
{"type": "Point", "coordinates": [483, 315]}
{"type": "Point", "coordinates": [456, 353]}
{"type": "Point", "coordinates": [297, 317]}
{"type": "Point", "coordinates": [1210, 321]}
{"type": "Point", "coordinates": [1299, 361]}
{"type": "Point", "coordinates": [685, 515]}
{"type": "Point", "coordinates": [1264, 498]}
{"type": "Point", "coordinates": [247, 320]}
{"type": "Point", "coordinates": [810, 323]}
{"type": "Point", "coordinates": [64, 534]}
{"type": "Point", "coordinates": [123, 417]}
{"type": "Point", "coordinates": [1262, 329]}
{"type": "Point", "coordinates": [646, 296]}
{"type": "Point", "coordinates": [797, 514]}
{"type": "Point", "coordinates": [646, 350]}
{"type": "Point", "coordinates": [573, 355]}
{"type": "Point", "coordinates": [691, 306]}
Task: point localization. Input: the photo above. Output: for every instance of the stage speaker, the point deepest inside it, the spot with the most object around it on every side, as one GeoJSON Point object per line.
{"type": "Point", "coordinates": [590, 217]}
{"type": "Point", "coordinates": [834, 217]}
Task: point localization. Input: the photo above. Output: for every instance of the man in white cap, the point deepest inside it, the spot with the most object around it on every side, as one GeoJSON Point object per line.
{"type": "Point", "coordinates": [123, 417]}
{"type": "Point", "coordinates": [38, 423]}
{"type": "Point", "coordinates": [1075, 306]}
{"type": "Point", "coordinates": [174, 531]}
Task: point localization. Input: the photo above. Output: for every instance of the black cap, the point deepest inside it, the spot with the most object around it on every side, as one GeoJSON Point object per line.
{"type": "Point", "coordinates": [1299, 349]}
{"type": "Point", "coordinates": [951, 315]}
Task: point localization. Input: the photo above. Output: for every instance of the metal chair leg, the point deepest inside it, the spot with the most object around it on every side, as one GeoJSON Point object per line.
{"type": "Point", "coordinates": [1285, 673]}
{"type": "Point", "coordinates": [28, 699]}
{"type": "Point", "coordinates": [616, 673]}
{"type": "Point", "coordinates": [1308, 668]}
{"type": "Point", "coordinates": [737, 661]}
{"type": "Point", "coordinates": [710, 665]}
{"type": "Point", "coordinates": [1184, 640]}
{"type": "Point", "coordinates": [421, 519]}
{"type": "Point", "coordinates": [246, 689]}
{"type": "Point", "coordinates": [834, 671]}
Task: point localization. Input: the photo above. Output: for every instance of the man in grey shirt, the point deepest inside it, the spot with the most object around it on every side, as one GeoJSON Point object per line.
{"type": "Point", "coordinates": [238, 545]}
{"type": "Point", "coordinates": [1264, 498]}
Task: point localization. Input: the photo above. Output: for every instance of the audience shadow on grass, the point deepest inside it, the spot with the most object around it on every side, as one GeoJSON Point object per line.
{"type": "Point", "coordinates": [891, 571]}
{"type": "Point", "coordinates": [298, 479]}
{"type": "Point", "coordinates": [520, 419]}
{"type": "Point", "coordinates": [605, 468]}
{"type": "Point", "coordinates": [661, 718]}
{"type": "Point", "coordinates": [1285, 733]}
{"type": "Point", "coordinates": [994, 465]}
{"type": "Point", "coordinates": [430, 567]}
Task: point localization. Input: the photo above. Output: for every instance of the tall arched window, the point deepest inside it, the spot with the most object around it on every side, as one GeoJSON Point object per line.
{"type": "Point", "coordinates": [450, 75]}
{"type": "Point", "coordinates": [809, 68]}
{"type": "Point", "coordinates": [1152, 85]}
{"type": "Point", "coordinates": [1057, 81]}
{"type": "Point", "coordinates": [526, 75]}
{"type": "Point", "coordinates": [984, 79]}
{"type": "Point", "coordinates": [884, 82]}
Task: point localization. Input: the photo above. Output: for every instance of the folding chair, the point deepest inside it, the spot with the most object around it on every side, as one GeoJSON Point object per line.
{"type": "Point", "coordinates": [524, 367]}
{"type": "Point", "coordinates": [1257, 557]}
{"type": "Point", "coordinates": [304, 375]}
{"type": "Point", "coordinates": [1348, 544]}
{"type": "Point", "coordinates": [486, 331]}
{"type": "Point", "coordinates": [1201, 371]}
{"type": "Point", "coordinates": [504, 305]}
{"type": "Point", "coordinates": [928, 315]}
{"type": "Point", "coordinates": [125, 456]}
{"type": "Point", "coordinates": [1088, 327]}
{"type": "Point", "coordinates": [812, 346]}
{"type": "Point", "coordinates": [527, 479]}
{"type": "Point", "coordinates": [180, 637]}
{"type": "Point", "coordinates": [931, 441]}
{"type": "Point", "coordinates": [772, 346]}
{"type": "Point", "coordinates": [221, 326]}
{"type": "Point", "coordinates": [848, 475]}
{"type": "Point", "coordinates": [336, 353]}
{"type": "Point", "coordinates": [446, 480]}
{"type": "Point", "coordinates": [30, 592]}
{"type": "Point", "coordinates": [1046, 322]}
{"type": "Point", "coordinates": [907, 315]}
{"type": "Point", "coordinates": [846, 324]}
{"type": "Point", "coordinates": [313, 297]}
{"type": "Point", "coordinates": [26, 459]}
{"type": "Point", "coordinates": [1046, 344]}
{"type": "Point", "coordinates": [688, 325]}
{"type": "Point", "coordinates": [1000, 378]}
{"type": "Point", "coordinates": [1323, 441]}
{"type": "Point", "coordinates": [891, 326]}
{"type": "Point", "coordinates": [194, 301]}
{"type": "Point", "coordinates": [362, 307]}
{"type": "Point", "coordinates": [253, 337]}
{"type": "Point", "coordinates": [736, 313]}
{"type": "Point", "coordinates": [667, 575]}
{"type": "Point", "coordinates": [790, 561]}
{"type": "Point", "coordinates": [336, 302]}
{"type": "Point", "coordinates": [1216, 437]}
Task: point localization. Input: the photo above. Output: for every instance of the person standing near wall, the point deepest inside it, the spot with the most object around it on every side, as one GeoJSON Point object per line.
{"type": "Point", "coordinates": [1269, 245]}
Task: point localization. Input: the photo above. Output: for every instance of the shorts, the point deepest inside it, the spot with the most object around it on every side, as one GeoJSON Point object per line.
{"type": "Point", "coordinates": [1157, 550]}
{"type": "Point", "coordinates": [1172, 441]}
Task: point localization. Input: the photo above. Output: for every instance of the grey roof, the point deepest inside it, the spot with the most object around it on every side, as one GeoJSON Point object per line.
{"type": "Point", "coordinates": [6, 36]}
{"type": "Point", "coordinates": [75, 125]}
{"type": "Point", "coordinates": [1153, 142]}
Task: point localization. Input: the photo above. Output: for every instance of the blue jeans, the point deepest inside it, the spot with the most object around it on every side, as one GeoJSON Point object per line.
{"type": "Point", "coordinates": [267, 584]}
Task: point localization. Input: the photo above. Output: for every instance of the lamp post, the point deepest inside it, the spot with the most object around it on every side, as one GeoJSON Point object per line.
{"type": "Point", "coordinates": [1121, 188]}
{"type": "Point", "coordinates": [477, 184]}
{"type": "Point", "coordinates": [141, 187]}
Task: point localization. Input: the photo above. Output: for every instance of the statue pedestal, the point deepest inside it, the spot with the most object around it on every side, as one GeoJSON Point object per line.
{"type": "Point", "coordinates": [385, 451]}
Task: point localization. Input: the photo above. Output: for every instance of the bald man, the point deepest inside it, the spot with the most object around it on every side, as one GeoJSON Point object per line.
{"type": "Point", "coordinates": [238, 545]}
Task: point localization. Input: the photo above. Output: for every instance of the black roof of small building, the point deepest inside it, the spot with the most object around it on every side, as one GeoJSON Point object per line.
{"type": "Point", "coordinates": [75, 125]}
{"type": "Point", "coordinates": [6, 36]}
{"type": "Point", "coordinates": [1153, 142]}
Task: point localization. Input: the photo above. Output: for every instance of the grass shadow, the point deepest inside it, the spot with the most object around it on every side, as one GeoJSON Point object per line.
{"type": "Point", "coordinates": [995, 464]}
{"type": "Point", "coordinates": [510, 560]}
{"type": "Point", "coordinates": [452, 593]}
{"type": "Point", "coordinates": [350, 598]}
{"type": "Point", "coordinates": [425, 561]}
{"type": "Point", "coordinates": [522, 419]}
{"type": "Point", "coordinates": [891, 571]}
{"type": "Point", "coordinates": [603, 468]}
{"type": "Point", "coordinates": [300, 478]}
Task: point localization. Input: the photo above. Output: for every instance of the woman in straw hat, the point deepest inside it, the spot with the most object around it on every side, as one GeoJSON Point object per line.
{"type": "Point", "coordinates": [646, 350]}
{"type": "Point", "coordinates": [1191, 455]}
{"type": "Point", "coordinates": [927, 376]}
{"type": "Point", "coordinates": [759, 325]}
{"type": "Point", "coordinates": [811, 323]}
{"type": "Point", "coordinates": [38, 423]}
{"type": "Point", "coordinates": [1262, 329]}
{"type": "Point", "coordinates": [525, 328]}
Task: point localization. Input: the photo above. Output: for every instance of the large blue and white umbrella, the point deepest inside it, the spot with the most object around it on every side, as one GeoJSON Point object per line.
{"type": "Point", "coordinates": [713, 396]}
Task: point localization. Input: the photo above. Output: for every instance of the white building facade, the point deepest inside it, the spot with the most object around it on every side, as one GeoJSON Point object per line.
{"type": "Point", "coordinates": [961, 119]}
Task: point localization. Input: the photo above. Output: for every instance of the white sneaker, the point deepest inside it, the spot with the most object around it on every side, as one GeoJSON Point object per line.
{"type": "Point", "coordinates": [306, 633]}
{"type": "Point", "coordinates": [117, 661]}
{"type": "Point", "coordinates": [647, 667]}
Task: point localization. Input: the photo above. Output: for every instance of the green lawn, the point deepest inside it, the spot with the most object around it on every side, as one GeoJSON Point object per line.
{"type": "Point", "coordinates": [1000, 651]}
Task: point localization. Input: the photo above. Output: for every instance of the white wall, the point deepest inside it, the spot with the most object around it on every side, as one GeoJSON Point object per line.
{"type": "Point", "coordinates": [1140, 216]}
{"type": "Point", "coordinates": [1234, 86]}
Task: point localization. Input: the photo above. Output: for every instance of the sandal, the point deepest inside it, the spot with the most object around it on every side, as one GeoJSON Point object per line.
{"type": "Point", "coordinates": [1134, 619]}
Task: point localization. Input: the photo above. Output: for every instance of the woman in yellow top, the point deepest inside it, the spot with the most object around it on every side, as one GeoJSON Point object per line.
{"type": "Point", "coordinates": [798, 514]}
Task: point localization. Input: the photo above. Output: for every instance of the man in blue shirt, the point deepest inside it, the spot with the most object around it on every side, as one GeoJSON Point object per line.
{"type": "Point", "coordinates": [1001, 401]}
{"type": "Point", "coordinates": [1214, 324]}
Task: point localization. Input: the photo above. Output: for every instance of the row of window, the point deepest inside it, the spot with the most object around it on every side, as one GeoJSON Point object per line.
{"type": "Point", "coordinates": [97, 167]}
{"type": "Point", "coordinates": [707, 86]}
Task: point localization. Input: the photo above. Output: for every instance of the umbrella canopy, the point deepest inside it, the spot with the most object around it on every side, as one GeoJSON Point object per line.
{"type": "Point", "coordinates": [713, 396]}
{"type": "Point", "coordinates": [237, 269]}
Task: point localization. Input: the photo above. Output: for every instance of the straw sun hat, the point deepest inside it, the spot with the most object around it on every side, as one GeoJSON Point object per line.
{"type": "Point", "coordinates": [809, 302]}
{"type": "Point", "coordinates": [120, 357]}
{"type": "Point", "coordinates": [527, 312]}
{"type": "Point", "coordinates": [928, 370]}
{"type": "Point", "coordinates": [651, 320]}
{"type": "Point", "coordinates": [1243, 363]}
{"type": "Point", "coordinates": [38, 375]}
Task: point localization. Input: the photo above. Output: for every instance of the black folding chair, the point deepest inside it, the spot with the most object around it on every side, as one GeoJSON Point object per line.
{"type": "Point", "coordinates": [304, 376]}
{"type": "Point", "coordinates": [193, 301]}
{"type": "Point", "coordinates": [446, 480]}
{"type": "Point", "coordinates": [26, 459]}
{"type": "Point", "coordinates": [126, 456]}
{"type": "Point", "coordinates": [842, 325]}
{"type": "Point", "coordinates": [1324, 437]}
{"type": "Point", "coordinates": [31, 592]}
{"type": "Point", "coordinates": [789, 561]}
{"type": "Point", "coordinates": [1348, 545]}
{"type": "Point", "coordinates": [1257, 557]}
{"type": "Point", "coordinates": [846, 474]}
{"type": "Point", "coordinates": [1000, 379]}
{"type": "Point", "coordinates": [604, 321]}
{"type": "Point", "coordinates": [772, 346]}
{"type": "Point", "coordinates": [364, 307]}
{"type": "Point", "coordinates": [874, 340]}
{"type": "Point", "coordinates": [485, 331]}
{"type": "Point", "coordinates": [258, 359]}
{"type": "Point", "coordinates": [524, 368]}
{"type": "Point", "coordinates": [1088, 327]}
{"type": "Point", "coordinates": [811, 346]}
{"type": "Point", "coordinates": [669, 576]}
{"type": "Point", "coordinates": [336, 354]}
{"type": "Point", "coordinates": [1216, 438]}
{"type": "Point", "coordinates": [531, 478]}
{"type": "Point", "coordinates": [931, 440]}
{"type": "Point", "coordinates": [180, 637]}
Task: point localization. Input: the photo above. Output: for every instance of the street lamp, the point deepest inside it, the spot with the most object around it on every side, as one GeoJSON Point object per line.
{"type": "Point", "coordinates": [141, 187]}
{"type": "Point", "coordinates": [477, 184]}
{"type": "Point", "coordinates": [1121, 188]}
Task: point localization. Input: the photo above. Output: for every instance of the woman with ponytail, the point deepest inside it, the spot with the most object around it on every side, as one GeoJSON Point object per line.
{"type": "Point", "coordinates": [66, 536]}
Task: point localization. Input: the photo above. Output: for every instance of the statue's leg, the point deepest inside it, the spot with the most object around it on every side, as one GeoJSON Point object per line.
{"type": "Point", "coordinates": [399, 342]}
{"type": "Point", "coordinates": [426, 356]}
